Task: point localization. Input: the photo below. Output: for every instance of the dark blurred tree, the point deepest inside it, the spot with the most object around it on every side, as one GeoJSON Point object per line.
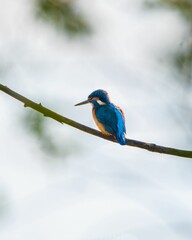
{"type": "Point", "coordinates": [184, 7]}
{"type": "Point", "coordinates": [182, 58]}
{"type": "Point", "coordinates": [64, 15]}
{"type": "Point", "coordinates": [38, 127]}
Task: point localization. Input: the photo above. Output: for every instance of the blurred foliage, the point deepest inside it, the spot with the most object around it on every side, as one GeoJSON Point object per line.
{"type": "Point", "coordinates": [182, 59]}
{"type": "Point", "coordinates": [37, 125]}
{"type": "Point", "coordinates": [184, 7]}
{"type": "Point", "coordinates": [64, 15]}
{"type": "Point", "coordinates": [183, 62]}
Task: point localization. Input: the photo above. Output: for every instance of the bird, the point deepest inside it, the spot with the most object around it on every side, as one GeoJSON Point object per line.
{"type": "Point", "coordinates": [108, 117]}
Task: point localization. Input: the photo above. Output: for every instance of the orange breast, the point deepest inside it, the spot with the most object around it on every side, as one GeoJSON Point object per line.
{"type": "Point", "coordinates": [99, 125]}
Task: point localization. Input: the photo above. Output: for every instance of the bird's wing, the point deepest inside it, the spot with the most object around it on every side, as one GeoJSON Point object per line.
{"type": "Point", "coordinates": [111, 118]}
{"type": "Point", "coordinates": [123, 115]}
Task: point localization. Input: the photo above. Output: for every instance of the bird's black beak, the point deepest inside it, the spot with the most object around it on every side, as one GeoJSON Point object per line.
{"type": "Point", "coordinates": [82, 103]}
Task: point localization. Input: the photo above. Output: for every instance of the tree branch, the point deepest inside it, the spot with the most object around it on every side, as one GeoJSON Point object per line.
{"type": "Point", "coordinates": [48, 113]}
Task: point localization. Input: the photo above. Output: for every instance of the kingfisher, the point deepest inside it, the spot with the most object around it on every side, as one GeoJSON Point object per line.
{"type": "Point", "coordinates": [108, 117]}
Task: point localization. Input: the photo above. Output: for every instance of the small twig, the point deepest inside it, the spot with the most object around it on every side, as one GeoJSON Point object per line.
{"type": "Point", "coordinates": [48, 113]}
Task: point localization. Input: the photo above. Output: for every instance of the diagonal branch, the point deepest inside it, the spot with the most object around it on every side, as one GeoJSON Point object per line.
{"type": "Point", "coordinates": [48, 113]}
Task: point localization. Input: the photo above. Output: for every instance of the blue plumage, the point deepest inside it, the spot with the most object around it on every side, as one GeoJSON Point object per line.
{"type": "Point", "coordinates": [111, 119]}
{"type": "Point", "coordinates": [108, 117]}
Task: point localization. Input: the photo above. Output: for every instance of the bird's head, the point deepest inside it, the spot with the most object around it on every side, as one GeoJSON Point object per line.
{"type": "Point", "coordinates": [99, 97]}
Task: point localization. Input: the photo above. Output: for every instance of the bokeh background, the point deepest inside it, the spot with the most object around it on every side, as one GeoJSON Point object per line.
{"type": "Point", "coordinates": [57, 182]}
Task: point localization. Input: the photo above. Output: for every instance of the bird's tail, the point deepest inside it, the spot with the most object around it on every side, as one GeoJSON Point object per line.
{"type": "Point", "coordinates": [121, 139]}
